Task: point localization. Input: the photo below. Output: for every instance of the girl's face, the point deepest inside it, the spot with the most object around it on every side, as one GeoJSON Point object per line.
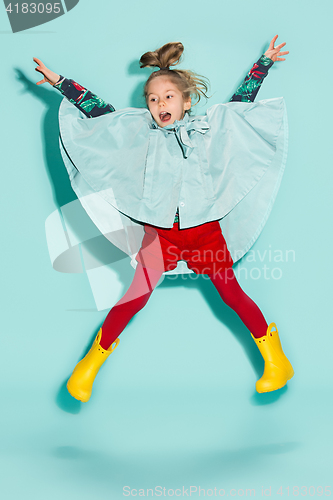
{"type": "Point", "coordinates": [166, 102]}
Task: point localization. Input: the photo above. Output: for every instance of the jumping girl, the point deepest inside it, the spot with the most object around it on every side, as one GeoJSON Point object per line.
{"type": "Point", "coordinates": [184, 178]}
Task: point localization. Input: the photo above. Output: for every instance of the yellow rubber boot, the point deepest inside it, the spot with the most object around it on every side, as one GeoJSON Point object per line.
{"type": "Point", "coordinates": [81, 381]}
{"type": "Point", "coordinates": [278, 369]}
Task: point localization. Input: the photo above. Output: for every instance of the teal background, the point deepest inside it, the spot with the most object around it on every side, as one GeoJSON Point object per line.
{"type": "Point", "coordinates": [175, 404]}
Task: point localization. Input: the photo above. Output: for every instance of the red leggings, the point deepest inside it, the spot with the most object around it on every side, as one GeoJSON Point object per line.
{"type": "Point", "coordinates": [143, 284]}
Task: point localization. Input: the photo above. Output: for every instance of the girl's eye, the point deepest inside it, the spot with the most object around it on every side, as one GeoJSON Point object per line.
{"type": "Point", "coordinates": [152, 99]}
{"type": "Point", "coordinates": [169, 96]}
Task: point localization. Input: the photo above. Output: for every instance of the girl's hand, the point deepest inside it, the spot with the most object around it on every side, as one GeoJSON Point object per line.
{"type": "Point", "coordinates": [274, 53]}
{"type": "Point", "coordinates": [49, 76]}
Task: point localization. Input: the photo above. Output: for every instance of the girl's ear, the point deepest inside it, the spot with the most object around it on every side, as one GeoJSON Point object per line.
{"type": "Point", "coordinates": [187, 104]}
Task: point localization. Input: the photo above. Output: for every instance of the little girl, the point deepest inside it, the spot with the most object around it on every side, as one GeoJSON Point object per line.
{"type": "Point", "coordinates": [184, 177]}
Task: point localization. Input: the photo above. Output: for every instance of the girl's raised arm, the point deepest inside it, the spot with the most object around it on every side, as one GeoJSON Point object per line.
{"type": "Point", "coordinates": [249, 89]}
{"type": "Point", "coordinates": [87, 102]}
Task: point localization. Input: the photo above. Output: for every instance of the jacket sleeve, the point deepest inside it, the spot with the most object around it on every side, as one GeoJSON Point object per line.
{"type": "Point", "coordinates": [248, 90]}
{"type": "Point", "coordinates": [87, 102]}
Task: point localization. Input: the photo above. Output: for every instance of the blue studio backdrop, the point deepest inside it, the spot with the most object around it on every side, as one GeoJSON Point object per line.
{"type": "Point", "coordinates": [174, 411]}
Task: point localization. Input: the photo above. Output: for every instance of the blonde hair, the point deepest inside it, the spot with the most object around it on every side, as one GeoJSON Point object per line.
{"type": "Point", "coordinates": [188, 82]}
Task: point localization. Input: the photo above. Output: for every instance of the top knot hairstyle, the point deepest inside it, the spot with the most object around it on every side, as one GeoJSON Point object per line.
{"type": "Point", "coordinates": [189, 83]}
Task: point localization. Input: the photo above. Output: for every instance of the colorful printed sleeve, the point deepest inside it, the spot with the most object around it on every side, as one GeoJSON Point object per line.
{"type": "Point", "coordinates": [248, 90]}
{"type": "Point", "coordinates": [90, 104]}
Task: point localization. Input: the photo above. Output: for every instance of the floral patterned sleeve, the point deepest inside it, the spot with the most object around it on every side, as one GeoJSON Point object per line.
{"type": "Point", "coordinates": [90, 104]}
{"type": "Point", "coordinates": [248, 90]}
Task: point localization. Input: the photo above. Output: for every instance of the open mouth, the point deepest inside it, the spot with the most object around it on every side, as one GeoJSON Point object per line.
{"type": "Point", "coordinates": [165, 116]}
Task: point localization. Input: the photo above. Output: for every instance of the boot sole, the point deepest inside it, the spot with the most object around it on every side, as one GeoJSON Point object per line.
{"type": "Point", "coordinates": [277, 388]}
{"type": "Point", "coordinates": [77, 396]}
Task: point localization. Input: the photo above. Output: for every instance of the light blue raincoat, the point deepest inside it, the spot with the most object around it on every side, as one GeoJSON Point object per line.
{"type": "Point", "coordinates": [225, 165]}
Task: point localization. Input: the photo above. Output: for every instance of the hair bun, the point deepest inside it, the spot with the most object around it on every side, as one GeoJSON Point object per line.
{"type": "Point", "coordinates": [164, 57]}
